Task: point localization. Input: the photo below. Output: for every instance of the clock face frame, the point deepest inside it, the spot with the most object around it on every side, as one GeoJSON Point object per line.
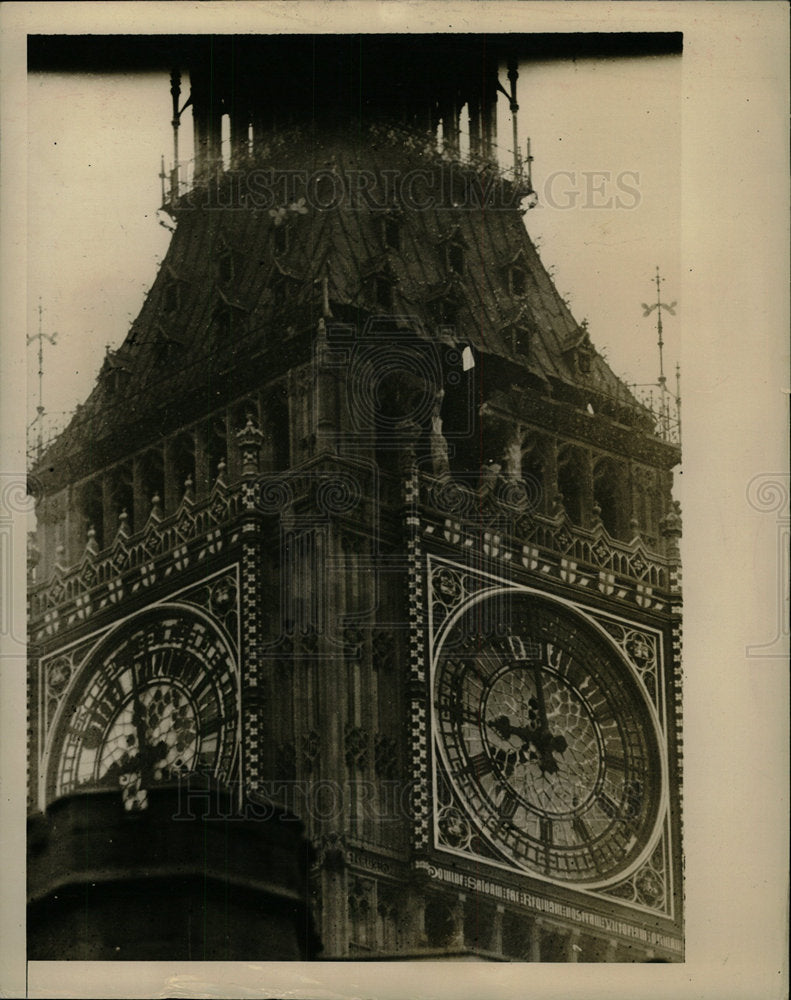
{"type": "Point", "coordinates": [156, 698]}
{"type": "Point", "coordinates": [548, 740]}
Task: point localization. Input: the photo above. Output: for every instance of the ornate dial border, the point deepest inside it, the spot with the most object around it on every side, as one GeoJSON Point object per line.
{"type": "Point", "coordinates": [59, 671]}
{"type": "Point", "coordinates": [451, 588]}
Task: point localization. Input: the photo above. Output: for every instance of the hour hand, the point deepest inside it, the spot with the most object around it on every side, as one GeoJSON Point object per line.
{"type": "Point", "coordinates": [547, 746]}
{"type": "Point", "coordinates": [505, 729]}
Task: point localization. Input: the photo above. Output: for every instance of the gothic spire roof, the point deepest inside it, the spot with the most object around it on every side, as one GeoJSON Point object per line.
{"type": "Point", "coordinates": [243, 283]}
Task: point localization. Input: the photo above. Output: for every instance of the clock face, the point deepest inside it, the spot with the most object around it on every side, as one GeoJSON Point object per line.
{"type": "Point", "coordinates": [157, 700]}
{"type": "Point", "coordinates": [548, 740]}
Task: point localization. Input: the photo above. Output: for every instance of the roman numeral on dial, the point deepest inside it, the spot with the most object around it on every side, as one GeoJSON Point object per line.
{"type": "Point", "coordinates": [580, 829]}
{"type": "Point", "coordinates": [211, 726]}
{"type": "Point", "coordinates": [608, 806]}
{"type": "Point", "coordinates": [479, 765]}
{"type": "Point", "coordinates": [507, 807]}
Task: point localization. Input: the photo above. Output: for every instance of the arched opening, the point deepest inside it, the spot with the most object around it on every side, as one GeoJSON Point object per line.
{"type": "Point", "coordinates": [280, 240]}
{"type": "Point", "coordinates": [383, 292]}
{"type": "Point", "coordinates": [533, 477]}
{"type": "Point", "coordinates": [122, 499]}
{"type": "Point", "coordinates": [183, 463]}
{"type": "Point", "coordinates": [570, 484]}
{"type": "Point", "coordinates": [461, 424]}
{"type": "Point", "coordinates": [92, 505]}
{"type": "Point", "coordinates": [278, 431]}
{"type": "Point", "coordinates": [517, 281]}
{"type": "Point", "coordinates": [222, 323]}
{"type": "Point", "coordinates": [225, 267]}
{"type": "Point", "coordinates": [171, 297]}
{"type": "Point", "coordinates": [391, 232]}
{"type": "Point", "coordinates": [454, 257]}
{"type": "Point", "coordinates": [151, 472]}
{"type": "Point", "coordinates": [648, 511]}
{"type": "Point", "coordinates": [608, 494]}
{"type": "Point", "coordinates": [216, 444]}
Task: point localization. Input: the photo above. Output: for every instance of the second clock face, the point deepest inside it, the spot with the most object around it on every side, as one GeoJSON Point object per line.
{"type": "Point", "coordinates": [157, 700]}
{"type": "Point", "coordinates": [548, 740]}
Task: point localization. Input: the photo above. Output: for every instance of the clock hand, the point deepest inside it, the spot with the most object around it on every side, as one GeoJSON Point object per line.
{"type": "Point", "coordinates": [502, 726]}
{"type": "Point", "coordinates": [542, 706]}
{"type": "Point", "coordinates": [138, 713]}
{"type": "Point", "coordinates": [505, 729]}
{"type": "Point", "coordinates": [546, 743]}
{"type": "Point", "coordinates": [547, 746]}
{"type": "Point", "coordinates": [543, 740]}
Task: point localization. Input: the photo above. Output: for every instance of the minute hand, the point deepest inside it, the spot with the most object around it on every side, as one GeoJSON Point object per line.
{"type": "Point", "coordinates": [542, 707]}
{"type": "Point", "coordinates": [545, 743]}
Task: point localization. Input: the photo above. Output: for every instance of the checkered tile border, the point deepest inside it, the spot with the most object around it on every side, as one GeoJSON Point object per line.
{"type": "Point", "coordinates": [421, 800]}
{"type": "Point", "coordinates": [251, 637]}
{"type": "Point", "coordinates": [677, 640]}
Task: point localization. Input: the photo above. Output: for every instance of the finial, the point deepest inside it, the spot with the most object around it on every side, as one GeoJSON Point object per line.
{"type": "Point", "coordinates": [156, 509]}
{"type": "Point", "coordinates": [221, 471]}
{"type": "Point", "coordinates": [51, 338]}
{"type": "Point", "coordinates": [162, 176]}
{"type": "Point", "coordinates": [488, 478]}
{"type": "Point", "coordinates": [513, 76]}
{"type": "Point", "coordinates": [597, 521]}
{"type": "Point", "coordinates": [671, 523]}
{"type": "Point", "coordinates": [670, 527]}
{"type": "Point", "coordinates": [60, 555]}
{"type": "Point", "coordinates": [91, 546]}
{"type": "Point", "coordinates": [188, 484]}
{"type": "Point", "coordinates": [123, 523]}
{"type": "Point", "coordinates": [529, 162]}
{"type": "Point", "coordinates": [661, 380]}
{"type": "Point", "coordinates": [249, 439]}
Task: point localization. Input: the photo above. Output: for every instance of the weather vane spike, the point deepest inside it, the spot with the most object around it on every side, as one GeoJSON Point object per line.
{"type": "Point", "coordinates": [659, 306]}
{"type": "Point", "coordinates": [529, 162]}
{"type": "Point", "coordinates": [40, 336]}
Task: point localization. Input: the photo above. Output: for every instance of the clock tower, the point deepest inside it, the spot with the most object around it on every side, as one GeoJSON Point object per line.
{"type": "Point", "coordinates": [358, 532]}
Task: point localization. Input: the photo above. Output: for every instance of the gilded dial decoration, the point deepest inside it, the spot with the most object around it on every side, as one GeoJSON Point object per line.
{"type": "Point", "coordinates": [157, 699]}
{"type": "Point", "coordinates": [548, 740]}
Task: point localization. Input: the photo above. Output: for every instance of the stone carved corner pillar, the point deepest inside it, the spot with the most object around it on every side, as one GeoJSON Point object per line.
{"type": "Point", "coordinates": [408, 432]}
{"type": "Point", "coordinates": [415, 919]}
{"type": "Point", "coordinates": [439, 446]}
{"type": "Point", "coordinates": [457, 912]}
{"type": "Point", "coordinates": [249, 439]}
{"type": "Point", "coordinates": [496, 937]}
{"type": "Point", "coordinates": [671, 531]}
{"type": "Point", "coordinates": [535, 940]}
